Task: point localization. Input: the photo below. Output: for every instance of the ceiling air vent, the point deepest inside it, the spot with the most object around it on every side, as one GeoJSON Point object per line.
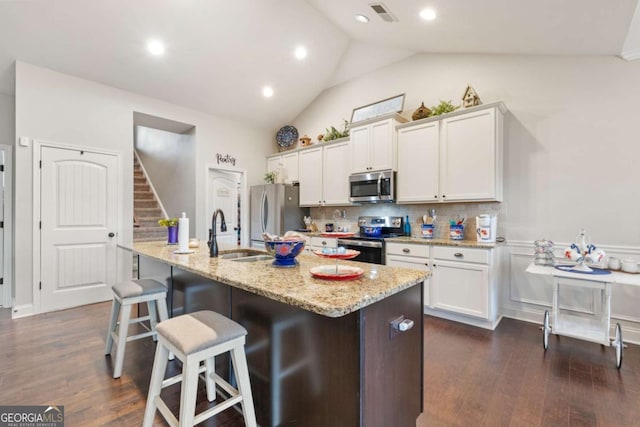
{"type": "Point", "coordinates": [383, 12]}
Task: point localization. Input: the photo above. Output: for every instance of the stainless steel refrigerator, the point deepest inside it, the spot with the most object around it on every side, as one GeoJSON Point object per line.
{"type": "Point", "coordinates": [275, 210]}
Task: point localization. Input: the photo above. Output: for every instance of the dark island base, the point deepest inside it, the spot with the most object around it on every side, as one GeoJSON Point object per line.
{"type": "Point", "coordinates": [310, 370]}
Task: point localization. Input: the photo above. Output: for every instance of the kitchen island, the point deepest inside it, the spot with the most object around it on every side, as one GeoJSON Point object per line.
{"type": "Point", "coordinates": [320, 353]}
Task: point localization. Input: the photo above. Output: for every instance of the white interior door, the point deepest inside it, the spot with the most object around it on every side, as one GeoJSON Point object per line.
{"type": "Point", "coordinates": [224, 194]}
{"type": "Point", "coordinates": [78, 199]}
{"type": "Point", "coordinates": [3, 300]}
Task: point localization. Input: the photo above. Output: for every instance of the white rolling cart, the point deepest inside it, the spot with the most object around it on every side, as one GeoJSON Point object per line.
{"type": "Point", "coordinates": [595, 329]}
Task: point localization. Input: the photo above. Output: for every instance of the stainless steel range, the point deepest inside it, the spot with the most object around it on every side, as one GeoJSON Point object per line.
{"type": "Point", "coordinates": [370, 240]}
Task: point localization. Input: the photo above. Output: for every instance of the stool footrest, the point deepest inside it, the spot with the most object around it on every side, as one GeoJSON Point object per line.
{"type": "Point", "coordinates": [166, 412]}
{"type": "Point", "coordinates": [216, 409]}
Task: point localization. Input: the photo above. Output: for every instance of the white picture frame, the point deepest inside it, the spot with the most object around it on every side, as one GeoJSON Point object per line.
{"type": "Point", "coordinates": [395, 104]}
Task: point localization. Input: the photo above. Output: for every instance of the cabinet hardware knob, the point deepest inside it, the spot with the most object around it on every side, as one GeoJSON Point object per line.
{"type": "Point", "coordinates": [405, 325]}
{"type": "Point", "coordinates": [458, 255]}
{"type": "Point", "coordinates": [406, 250]}
{"type": "Point", "coordinates": [324, 243]}
{"type": "Point", "coordinates": [443, 196]}
{"type": "Point", "coordinates": [112, 234]}
{"type": "Point", "coordinates": [435, 197]}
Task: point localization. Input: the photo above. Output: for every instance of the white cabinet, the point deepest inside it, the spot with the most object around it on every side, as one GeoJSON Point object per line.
{"type": "Point", "coordinates": [289, 164]}
{"type": "Point", "coordinates": [471, 156]}
{"type": "Point", "coordinates": [413, 256]}
{"type": "Point", "coordinates": [316, 243]}
{"type": "Point", "coordinates": [461, 282]}
{"type": "Point", "coordinates": [451, 159]}
{"type": "Point", "coordinates": [324, 175]}
{"type": "Point", "coordinates": [418, 163]}
{"type": "Point", "coordinates": [374, 145]}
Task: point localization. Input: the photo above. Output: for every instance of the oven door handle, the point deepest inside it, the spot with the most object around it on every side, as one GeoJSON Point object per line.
{"type": "Point", "coordinates": [358, 243]}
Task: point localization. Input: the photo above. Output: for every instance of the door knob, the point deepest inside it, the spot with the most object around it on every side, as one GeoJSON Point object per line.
{"type": "Point", "coordinates": [112, 234]}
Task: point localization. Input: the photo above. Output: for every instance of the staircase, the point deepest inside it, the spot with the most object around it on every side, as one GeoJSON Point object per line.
{"type": "Point", "coordinates": [146, 210]}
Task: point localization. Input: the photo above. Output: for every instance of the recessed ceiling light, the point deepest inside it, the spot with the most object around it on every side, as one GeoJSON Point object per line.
{"type": "Point", "coordinates": [301, 52]}
{"type": "Point", "coordinates": [267, 91]}
{"type": "Point", "coordinates": [155, 47]}
{"type": "Point", "coordinates": [428, 14]}
{"type": "Point", "coordinates": [362, 18]}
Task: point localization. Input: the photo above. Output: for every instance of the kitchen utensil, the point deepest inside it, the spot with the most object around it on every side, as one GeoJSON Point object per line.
{"type": "Point", "coordinates": [425, 219]}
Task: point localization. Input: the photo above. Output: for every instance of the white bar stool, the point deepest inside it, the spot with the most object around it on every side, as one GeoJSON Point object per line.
{"type": "Point", "coordinates": [194, 338]}
{"type": "Point", "coordinates": [125, 294]}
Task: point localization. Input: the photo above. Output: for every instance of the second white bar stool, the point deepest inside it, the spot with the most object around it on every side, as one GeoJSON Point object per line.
{"type": "Point", "coordinates": [125, 294]}
{"type": "Point", "coordinates": [194, 338]}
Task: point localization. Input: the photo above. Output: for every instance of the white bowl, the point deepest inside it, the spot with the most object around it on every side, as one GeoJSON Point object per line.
{"type": "Point", "coordinates": [629, 266]}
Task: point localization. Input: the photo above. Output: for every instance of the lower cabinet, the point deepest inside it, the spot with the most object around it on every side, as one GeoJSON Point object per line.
{"type": "Point", "coordinates": [410, 256]}
{"type": "Point", "coordinates": [315, 243]}
{"type": "Point", "coordinates": [464, 281]}
{"type": "Point", "coordinates": [461, 287]}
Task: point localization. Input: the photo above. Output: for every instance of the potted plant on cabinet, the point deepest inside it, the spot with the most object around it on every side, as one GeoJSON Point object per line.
{"type": "Point", "coordinates": [172, 227]}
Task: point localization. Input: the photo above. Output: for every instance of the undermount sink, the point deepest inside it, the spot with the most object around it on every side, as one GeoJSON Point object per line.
{"type": "Point", "coordinates": [253, 258]}
{"type": "Point", "coordinates": [245, 255]}
{"type": "Point", "coordinates": [237, 254]}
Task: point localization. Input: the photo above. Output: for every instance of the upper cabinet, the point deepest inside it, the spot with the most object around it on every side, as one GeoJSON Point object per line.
{"type": "Point", "coordinates": [289, 164]}
{"type": "Point", "coordinates": [454, 158]}
{"type": "Point", "coordinates": [374, 144]}
{"type": "Point", "coordinates": [324, 175]}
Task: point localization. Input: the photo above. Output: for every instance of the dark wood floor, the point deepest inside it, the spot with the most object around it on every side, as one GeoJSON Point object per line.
{"type": "Point", "coordinates": [472, 376]}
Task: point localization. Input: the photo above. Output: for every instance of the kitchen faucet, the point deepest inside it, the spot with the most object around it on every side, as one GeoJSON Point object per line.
{"type": "Point", "coordinates": [213, 244]}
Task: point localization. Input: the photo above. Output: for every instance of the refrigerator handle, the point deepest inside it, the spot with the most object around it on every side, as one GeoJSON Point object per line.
{"type": "Point", "coordinates": [263, 214]}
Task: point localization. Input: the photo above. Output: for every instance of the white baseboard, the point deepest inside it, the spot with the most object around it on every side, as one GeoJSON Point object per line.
{"type": "Point", "coordinates": [19, 311]}
{"type": "Point", "coordinates": [462, 319]}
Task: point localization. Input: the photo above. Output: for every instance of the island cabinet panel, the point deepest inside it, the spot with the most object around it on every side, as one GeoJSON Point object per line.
{"type": "Point", "coordinates": [304, 367]}
{"type": "Point", "coordinates": [392, 391]}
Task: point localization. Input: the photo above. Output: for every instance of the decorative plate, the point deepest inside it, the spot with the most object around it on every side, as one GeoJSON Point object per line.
{"type": "Point", "coordinates": [287, 136]}
{"type": "Point", "coordinates": [332, 272]}
{"type": "Point", "coordinates": [348, 254]}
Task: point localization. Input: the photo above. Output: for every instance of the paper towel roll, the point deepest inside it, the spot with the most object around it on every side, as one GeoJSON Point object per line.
{"type": "Point", "coordinates": [183, 233]}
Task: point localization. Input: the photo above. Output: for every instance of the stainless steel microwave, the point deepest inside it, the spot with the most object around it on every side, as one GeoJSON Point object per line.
{"type": "Point", "coordinates": [372, 187]}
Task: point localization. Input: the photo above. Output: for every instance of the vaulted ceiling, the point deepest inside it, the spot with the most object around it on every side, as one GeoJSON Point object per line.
{"type": "Point", "coordinates": [220, 54]}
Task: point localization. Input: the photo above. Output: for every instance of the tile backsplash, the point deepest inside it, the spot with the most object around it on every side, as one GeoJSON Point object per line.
{"type": "Point", "coordinates": [444, 211]}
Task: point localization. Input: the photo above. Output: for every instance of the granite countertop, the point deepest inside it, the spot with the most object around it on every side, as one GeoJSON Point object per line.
{"type": "Point", "coordinates": [441, 242]}
{"type": "Point", "coordinates": [294, 286]}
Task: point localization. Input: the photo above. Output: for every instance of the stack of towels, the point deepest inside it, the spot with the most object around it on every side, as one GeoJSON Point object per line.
{"type": "Point", "coordinates": [543, 254]}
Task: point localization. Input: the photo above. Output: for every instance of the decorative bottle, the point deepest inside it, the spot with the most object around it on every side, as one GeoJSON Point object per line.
{"type": "Point", "coordinates": [407, 226]}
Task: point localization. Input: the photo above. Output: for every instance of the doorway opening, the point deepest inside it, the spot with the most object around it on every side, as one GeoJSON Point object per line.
{"type": "Point", "coordinates": [226, 190]}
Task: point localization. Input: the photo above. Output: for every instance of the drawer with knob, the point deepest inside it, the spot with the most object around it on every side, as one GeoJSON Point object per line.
{"type": "Point", "coordinates": [456, 253]}
{"type": "Point", "coordinates": [407, 249]}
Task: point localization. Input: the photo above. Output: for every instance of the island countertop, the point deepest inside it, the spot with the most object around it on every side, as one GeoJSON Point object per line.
{"type": "Point", "coordinates": [294, 286]}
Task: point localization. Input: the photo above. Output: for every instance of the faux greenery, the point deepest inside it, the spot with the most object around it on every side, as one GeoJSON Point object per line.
{"type": "Point", "coordinates": [270, 177]}
{"type": "Point", "coordinates": [168, 222]}
{"type": "Point", "coordinates": [333, 133]}
{"type": "Point", "coordinates": [443, 107]}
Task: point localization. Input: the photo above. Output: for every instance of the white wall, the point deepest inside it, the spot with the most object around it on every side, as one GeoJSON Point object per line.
{"type": "Point", "coordinates": [169, 160]}
{"type": "Point", "coordinates": [57, 107]}
{"type": "Point", "coordinates": [571, 146]}
{"type": "Point", "coordinates": [7, 119]}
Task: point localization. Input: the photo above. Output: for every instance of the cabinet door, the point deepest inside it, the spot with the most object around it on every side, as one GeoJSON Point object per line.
{"type": "Point", "coordinates": [290, 163]}
{"type": "Point", "coordinates": [418, 163]}
{"type": "Point", "coordinates": [335, 178]}
{"type": "Point", "coordinates": [382, 145]}
{"type": "Point", "coordinates": [469, 157]}
{"type": "Point", "coordinates": [273, 163]}
{"type": "Point", "coordinates": [421, 264]}
{"type": "Point", "coordinates": [310, 176]}
{"type": "Point", "coordinates": [359, 138]}
{"type": "Point", "coordinates": [461, 287]}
